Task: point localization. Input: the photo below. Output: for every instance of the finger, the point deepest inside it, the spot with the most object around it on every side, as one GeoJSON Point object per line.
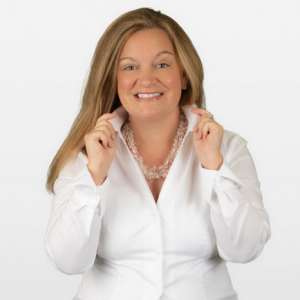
{"type": "Point", "coordinates": [105, 125]}
{"type": "Point", "coordinates": [199, 127]}
{"type": "Point", "coordinates": [202, 121]}
{"type": "Point", "coordinates": [198, 110]}
{"type": "Point", "coordinates": [103, 137]}
{"type": "Point", "coordinates": [107, 116]}
{"type": "Point", "coordinates": [109, 133]}
{"type": "Point", "coordinates": [206, 129]}
{"type": "Point", "coordinates": [109, 124]}
{"type": "Point", "coordinates": [202, 112]}
{"type": "Point", "coordinates": [198, 135]}
{"type": "Point", "coordinates": [203, 118]}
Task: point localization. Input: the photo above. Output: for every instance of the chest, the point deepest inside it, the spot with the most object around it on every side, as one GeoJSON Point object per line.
{"type": "Point", "coordinates": [180, 216]}
{"type": "Point", "coordinates": [155, 187]}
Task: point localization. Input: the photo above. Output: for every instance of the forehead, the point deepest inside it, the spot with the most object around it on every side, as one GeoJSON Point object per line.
{"type": "Point", "coordinates": [147, 42]}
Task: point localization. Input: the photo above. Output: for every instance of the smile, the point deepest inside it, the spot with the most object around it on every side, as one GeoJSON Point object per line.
{"type": "Point", "coordinates": [148, 96]}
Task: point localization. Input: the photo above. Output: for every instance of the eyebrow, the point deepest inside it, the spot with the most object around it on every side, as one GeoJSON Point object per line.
{"type": "Point", "coordinates": [158, 54]}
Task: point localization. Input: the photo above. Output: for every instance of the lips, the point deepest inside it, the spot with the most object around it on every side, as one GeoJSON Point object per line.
{"type": "Point", "coordinates": [148, 95]}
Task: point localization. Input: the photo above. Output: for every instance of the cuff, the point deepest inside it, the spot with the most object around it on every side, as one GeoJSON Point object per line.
{"type": "Point", "coordinates": [224, 176]}
{"type": "Point", "coordinates": [225, 183]}
{"type": "Point", "coordinates": [86, 184]}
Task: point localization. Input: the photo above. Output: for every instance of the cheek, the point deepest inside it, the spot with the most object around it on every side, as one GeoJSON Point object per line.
{"type": "Point", "coordinates": [174, 83]}
{"type": "Point", "coordinates": [124, 83]}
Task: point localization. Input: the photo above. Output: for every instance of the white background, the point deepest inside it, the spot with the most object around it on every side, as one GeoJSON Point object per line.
{"type": "Point", "coordinates": [250, 52]}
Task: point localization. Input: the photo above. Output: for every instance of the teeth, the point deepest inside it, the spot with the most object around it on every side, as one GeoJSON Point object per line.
{"type": "Point", "coordinates": [140, 95]}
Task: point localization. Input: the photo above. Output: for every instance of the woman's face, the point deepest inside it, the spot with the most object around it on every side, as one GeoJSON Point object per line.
{"type": "Point", "coordinates": [148, 65]}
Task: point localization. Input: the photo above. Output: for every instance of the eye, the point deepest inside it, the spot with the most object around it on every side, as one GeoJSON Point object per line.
{"type": "Point", "coordinates": [163, 64]}
{"type": "Point", "coordinates": [129, 67]}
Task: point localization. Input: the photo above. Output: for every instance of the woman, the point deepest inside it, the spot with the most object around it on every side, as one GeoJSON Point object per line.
{"type": "Point", "coordinates": [151, 196]}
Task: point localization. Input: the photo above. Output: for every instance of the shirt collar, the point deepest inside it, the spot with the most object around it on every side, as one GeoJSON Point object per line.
{"type": "Point", "coordinates": [122, 114]}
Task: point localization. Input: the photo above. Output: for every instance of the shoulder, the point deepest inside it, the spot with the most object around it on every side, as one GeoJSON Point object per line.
{"type": "Point", "coordinates": [74, 166]}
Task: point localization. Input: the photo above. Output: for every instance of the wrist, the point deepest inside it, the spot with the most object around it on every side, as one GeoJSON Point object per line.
{"type": "Point", "coordinates": [97, 175]}
{"type": "Point", "coordinates": [214, 164]}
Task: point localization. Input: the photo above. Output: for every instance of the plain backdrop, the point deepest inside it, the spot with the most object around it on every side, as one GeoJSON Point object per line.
{"type": "Point", "coordinates": [250, 53]}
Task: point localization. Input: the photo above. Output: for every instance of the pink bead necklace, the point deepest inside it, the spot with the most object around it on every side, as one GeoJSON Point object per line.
{"type": "Point", "coordinates": [156, 172]}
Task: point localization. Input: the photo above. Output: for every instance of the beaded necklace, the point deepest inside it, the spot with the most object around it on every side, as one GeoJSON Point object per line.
{"type": "Point", "coordinates": [156, 172]}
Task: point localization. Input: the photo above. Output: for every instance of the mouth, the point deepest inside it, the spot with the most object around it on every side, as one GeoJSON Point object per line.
{"type": "Point", "coordinates": [148, 96]}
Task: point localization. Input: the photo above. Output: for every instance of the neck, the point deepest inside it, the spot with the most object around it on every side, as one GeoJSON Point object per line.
{"type": "Point", "coordinates": [153, 137]}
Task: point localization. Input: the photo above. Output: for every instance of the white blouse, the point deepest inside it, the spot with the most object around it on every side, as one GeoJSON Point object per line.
{"type": "Point", "coordinates": [129, 247]}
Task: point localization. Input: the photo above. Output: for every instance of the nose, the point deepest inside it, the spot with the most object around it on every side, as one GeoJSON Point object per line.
{"type": "Point", "coordinates": [147, 77]}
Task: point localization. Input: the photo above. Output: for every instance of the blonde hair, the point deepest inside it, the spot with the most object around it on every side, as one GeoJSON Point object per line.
{"type": "Point", "coordinates": [100, 92]}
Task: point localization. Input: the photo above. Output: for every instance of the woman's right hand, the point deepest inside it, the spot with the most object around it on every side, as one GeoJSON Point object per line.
{"type": "Point", "coordinates": [100, 146]}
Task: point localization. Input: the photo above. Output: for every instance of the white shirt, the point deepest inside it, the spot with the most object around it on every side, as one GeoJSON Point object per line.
{"type": "Point", "coordinates": [128, 247]}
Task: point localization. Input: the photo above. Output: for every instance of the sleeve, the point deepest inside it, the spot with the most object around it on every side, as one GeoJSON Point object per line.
{"type": "Point", "coordinates": [240, 222]}
{"type": "Point", "coordinates": [74, 225]}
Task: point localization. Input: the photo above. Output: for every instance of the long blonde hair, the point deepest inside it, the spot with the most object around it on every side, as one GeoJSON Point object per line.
{"type": "Point", "coordinates": [100, 92]}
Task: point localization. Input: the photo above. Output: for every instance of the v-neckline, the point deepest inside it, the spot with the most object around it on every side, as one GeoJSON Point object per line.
{"type": "Point", "coordinates": [140, 174]}
{"type": "Point", "coordinates": [160, 188]}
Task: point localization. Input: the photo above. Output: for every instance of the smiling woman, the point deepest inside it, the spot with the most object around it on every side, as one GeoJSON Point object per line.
{"type": "Point", "coordinates": [154, 70]}
{"type": "Point", "coordinates": [151, 93]}
{"type": "Point", "coordinates": [151, 195]}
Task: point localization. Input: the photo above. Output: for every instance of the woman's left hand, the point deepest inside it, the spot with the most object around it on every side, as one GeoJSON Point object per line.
{"type": "Point", "coordinates": [207, 139]}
